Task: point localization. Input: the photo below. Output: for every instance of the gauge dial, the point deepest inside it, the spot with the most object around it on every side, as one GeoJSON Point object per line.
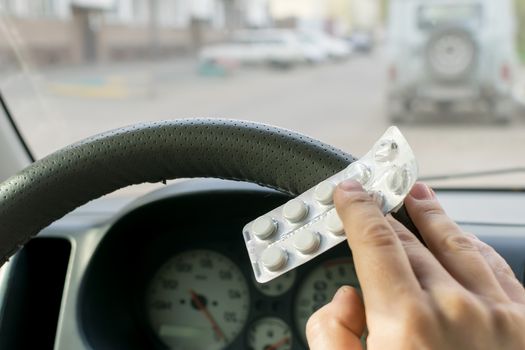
{"type": "Point", "coordinates": [269, 333]}
{"type": "Point", "coordinates": [319, 287]}
{"type": "Point", "coordinates": [198, 300]}
{"type": "Point", "coordinates": [278, 286]}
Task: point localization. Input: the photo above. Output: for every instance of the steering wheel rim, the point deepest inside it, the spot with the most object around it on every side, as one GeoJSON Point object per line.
{"type": "Point", "coordinates": [151, 152]}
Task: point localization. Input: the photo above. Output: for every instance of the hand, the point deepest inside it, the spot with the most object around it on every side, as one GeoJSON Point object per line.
{"type": "Point", "coordinates": [457, 294]}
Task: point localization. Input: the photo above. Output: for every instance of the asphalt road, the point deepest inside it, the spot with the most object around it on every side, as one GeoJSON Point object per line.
{"type": "Point", "coordinates": [340, 103]}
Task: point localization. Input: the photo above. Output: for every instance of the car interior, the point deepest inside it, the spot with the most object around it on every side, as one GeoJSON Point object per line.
{"type": "Point", "coordinates": [128, 169]}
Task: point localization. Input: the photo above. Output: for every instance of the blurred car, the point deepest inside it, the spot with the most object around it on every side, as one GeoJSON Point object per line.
{"type": "Point", "coordinates": [519, 94]}
{"type": "Point", "coordinates": [313, 52]}
{"type": "Point", "coordinates": [362, 42]}
{"type": "Point", "coordinates": [332, 47]}
{"type": "Point", "coordinates": [450, 57]}
{"type": "Point", "coordinates": [276, 48]}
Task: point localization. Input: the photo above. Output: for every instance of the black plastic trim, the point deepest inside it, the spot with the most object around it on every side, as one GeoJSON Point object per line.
{"type": "Point", "coordinates": [16, 129]}
{"type": "Point", "coordinates": [34, 295]}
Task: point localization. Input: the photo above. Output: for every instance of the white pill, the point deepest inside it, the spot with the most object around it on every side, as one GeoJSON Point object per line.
{"type": "Point", "coordinates": [378, 197]}
{"type": "Point", "coordinates": [295, 210]}
{"type": "Point", "coordinates": [324, 192]}
{"type": "Point", "coordinates": [359, 172]}
{"type": "Point", "coordinates": [274, 258]}
{"type": "Point", "coordinates": [306, 241]}
{"type": "Point", "coordinates": [398, 180]}
{"type": "Point", "coordinates": [386, 151]}
{"type": "Point", "coordinates": [264, 227]}
{"type": "Point", "coordinates": [334, 224]}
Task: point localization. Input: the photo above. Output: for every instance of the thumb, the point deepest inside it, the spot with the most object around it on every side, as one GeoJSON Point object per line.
{"type": "Point", "coordinates": [339, 324]}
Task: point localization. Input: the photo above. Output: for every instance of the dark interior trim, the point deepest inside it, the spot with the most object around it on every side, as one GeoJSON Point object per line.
{"type": "Point", "coordinates": [15, 128]}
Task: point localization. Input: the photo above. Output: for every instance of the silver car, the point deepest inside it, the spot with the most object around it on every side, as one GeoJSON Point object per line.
{"type": "Point", "coordinates": [451, 57]}
{"type": "Point", "coordinates": [276, 48]}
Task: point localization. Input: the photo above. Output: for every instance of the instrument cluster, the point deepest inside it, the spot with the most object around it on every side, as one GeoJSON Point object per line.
{"type": "Point", "coordinates": [202, 299]}
{"type": "Point", "coordinates": [173, 272]}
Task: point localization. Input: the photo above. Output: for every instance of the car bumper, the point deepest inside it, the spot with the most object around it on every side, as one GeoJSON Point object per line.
{"type": "Point", "coordinates": [468, 97]}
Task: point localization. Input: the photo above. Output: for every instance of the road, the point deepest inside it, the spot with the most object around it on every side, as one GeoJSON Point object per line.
{"type": "Point", "coordinates": [340, 103]}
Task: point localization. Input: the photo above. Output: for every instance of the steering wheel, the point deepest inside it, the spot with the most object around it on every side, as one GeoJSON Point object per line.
{"type": "Point", "coordinates": [153, 152]}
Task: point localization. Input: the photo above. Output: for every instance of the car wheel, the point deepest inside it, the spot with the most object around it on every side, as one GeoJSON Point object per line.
{"type": "Point", "coordinates": [502, 113]}
{"type": "Point", "coordinates": [399, 111]}
{"type": "Point", "coordinates": [451, 54]}
{"type": "Point", "coordinates": [502, 118]}
{"type": "Point", "coordinates": [280, 65]}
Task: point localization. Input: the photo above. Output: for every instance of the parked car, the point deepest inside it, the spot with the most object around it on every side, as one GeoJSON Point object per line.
{"type": "Point", "coordinates": [362, 41]}
{"type": "Point", "coordinates": [313, 51]}
{"type": "Point", "coordinates": [451, 56]}
{"type": "Point", "coordinates": [334, 48]}
{"type": "Point", "coordinates": [276, 48]}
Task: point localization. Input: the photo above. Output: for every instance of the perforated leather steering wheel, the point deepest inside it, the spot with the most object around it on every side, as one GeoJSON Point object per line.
{"type": "Point", "coordinates": [152, 152]}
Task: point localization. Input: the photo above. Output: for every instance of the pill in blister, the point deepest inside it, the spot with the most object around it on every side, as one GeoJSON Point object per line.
{"type": "Point", "coordinates": [379, 198]}
{"type": "Point", "coordinates": [334, 224]}
{"type": "Point", "coordinates": [308, 225]}
{"type": "Point", "coordinates": [386, 151]}
{"type": "Point", "coordinates": [306, 241]}
{"type": "Point", "coordinates": [295, 210]}
{"type": "Point", "coordinates": [274, 258]}
{"type": "Point", "coordinates": [359, 172]}
{"type": "Point", "coordinates": [264, 227]}
{"type": "Point", "coordinates": [324, 192]}
{"type": "Point", "coordinates": [398, 180]}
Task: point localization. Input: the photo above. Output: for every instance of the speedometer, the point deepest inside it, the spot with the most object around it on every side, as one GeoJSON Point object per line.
{"type": "Point", "coordinates": [319, 287]}
{"type": "Point", "coordinates": [198, 300]}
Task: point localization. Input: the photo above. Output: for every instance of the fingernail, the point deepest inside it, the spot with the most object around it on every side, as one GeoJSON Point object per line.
{"type": "Point", "coordinates": [421, 191]}
{"type": "Point", "coordinates": [342, 291]}
{"type": "Point", "coordinates": [351, 186]}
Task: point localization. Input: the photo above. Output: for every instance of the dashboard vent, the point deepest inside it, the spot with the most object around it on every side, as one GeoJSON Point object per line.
{"type": "Point", "coordinates": [34, 293]}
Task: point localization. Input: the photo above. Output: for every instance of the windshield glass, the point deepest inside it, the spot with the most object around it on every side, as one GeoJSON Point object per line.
{"type": "Point", "coordinates": [340, 71]}
{"type": "Point", "coordinates": [437, 14]}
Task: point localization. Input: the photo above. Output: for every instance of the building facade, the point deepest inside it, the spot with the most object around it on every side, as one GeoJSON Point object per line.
{"type": "Point", "coordinates": [76, 31]}
{"type": "Point", "coordinates": [339, 17]}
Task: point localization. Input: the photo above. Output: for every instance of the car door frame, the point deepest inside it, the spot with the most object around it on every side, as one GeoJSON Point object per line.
{"type": "Point", "coordinates": [14, 151]}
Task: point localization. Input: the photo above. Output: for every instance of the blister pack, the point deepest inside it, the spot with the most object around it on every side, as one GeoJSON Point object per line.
{"type": "Point", "coordinates": [308, 225]}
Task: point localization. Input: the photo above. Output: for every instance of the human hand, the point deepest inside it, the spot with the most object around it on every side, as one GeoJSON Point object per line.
{"type": "Point", "coordinates": [456, 294]}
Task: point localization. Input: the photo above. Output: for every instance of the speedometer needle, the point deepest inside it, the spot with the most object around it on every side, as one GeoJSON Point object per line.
{"type": "Point", "coordinates": [202, 308]}
{"type": "Point", "coordinates": [278, 344]}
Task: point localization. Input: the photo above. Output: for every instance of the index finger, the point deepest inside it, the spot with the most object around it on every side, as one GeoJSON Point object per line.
{"type": "Point", "coordinates": [382, 265]}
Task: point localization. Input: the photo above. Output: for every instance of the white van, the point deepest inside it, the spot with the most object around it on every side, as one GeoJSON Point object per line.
{"type": "Point", "coordinates": [451, 57]}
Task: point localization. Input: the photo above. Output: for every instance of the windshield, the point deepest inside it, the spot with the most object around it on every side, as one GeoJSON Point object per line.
{"type": "Point", "coordinates": [342, 72]}
{"type": "Point", "coordinates": [438, 14]}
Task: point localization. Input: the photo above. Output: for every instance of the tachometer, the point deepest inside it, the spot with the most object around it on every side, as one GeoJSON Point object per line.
{"type": "Point", "coordinates": [319, 287]}
{"type": "Point", "coordinates": [198, 300]}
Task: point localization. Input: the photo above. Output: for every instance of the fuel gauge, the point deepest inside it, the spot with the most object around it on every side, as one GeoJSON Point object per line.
{"type": "Point", "coordinates": [269, 333]}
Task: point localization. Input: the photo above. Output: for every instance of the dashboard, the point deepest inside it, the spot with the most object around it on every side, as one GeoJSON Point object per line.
{"type": "Point", "coordinates": [170, 270]}
{"type": "Point", "coordinates": [177, 270]}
